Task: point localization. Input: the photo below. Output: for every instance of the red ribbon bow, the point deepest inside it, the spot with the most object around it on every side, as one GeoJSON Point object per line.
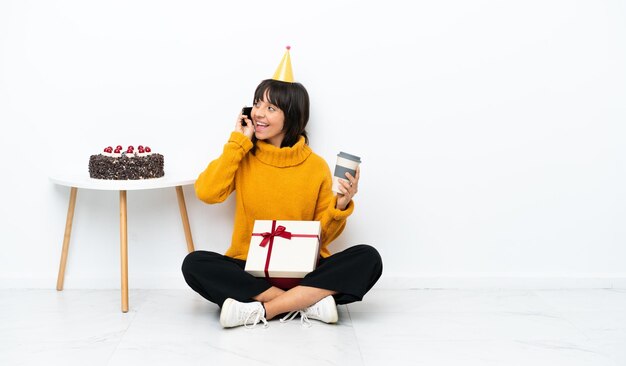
{"type": "Point", "coordinates": [269, 238]}
{"type": "Point", "coordinates": [279, 231]}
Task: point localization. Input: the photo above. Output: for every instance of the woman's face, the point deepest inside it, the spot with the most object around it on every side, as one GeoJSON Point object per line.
{"type": "Point", "coordinates": [269, 121]}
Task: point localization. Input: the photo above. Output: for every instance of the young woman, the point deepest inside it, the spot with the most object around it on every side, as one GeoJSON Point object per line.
{"type": "Point", "coordinates": [276, 176]}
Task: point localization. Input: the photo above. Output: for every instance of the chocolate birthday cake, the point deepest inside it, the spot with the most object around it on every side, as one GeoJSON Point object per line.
{"type": "Point", "coordinates": [117, 165]}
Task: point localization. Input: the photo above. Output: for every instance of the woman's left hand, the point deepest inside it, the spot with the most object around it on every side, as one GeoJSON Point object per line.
{"type": "Point", "coordinates": [348, 189]}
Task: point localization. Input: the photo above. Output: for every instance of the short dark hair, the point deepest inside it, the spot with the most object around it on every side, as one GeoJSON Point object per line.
{"type": "Point", "coordinates": [293, 100]}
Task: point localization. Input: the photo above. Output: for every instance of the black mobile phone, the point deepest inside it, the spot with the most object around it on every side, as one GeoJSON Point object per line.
{"type": "Point", "coordinates": [246, 111]}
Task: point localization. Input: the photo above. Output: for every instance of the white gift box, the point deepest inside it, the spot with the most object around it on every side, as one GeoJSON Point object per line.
{"type": "Point", "coordinates": [283, 251]}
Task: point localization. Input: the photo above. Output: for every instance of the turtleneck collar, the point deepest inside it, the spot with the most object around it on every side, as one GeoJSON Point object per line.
{"type": "Point", "coordinates": [282, 157]}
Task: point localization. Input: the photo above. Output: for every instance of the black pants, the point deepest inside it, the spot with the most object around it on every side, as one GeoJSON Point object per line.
{"type": "Point", "coordinates": [351, 273]}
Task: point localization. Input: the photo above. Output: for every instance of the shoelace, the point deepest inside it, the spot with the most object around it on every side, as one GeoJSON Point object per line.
{"type": "Point", "coordinates": [304, 320]}
{"type": "Point", "coordinates": [256, 317]}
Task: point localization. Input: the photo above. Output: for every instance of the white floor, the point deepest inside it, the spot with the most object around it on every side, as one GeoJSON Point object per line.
{"type": "Point", "coordinates": [411, 327]}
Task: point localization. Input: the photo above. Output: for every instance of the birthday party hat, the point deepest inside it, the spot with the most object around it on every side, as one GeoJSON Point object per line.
{"type": "Point", "coordinates": [284, 72]}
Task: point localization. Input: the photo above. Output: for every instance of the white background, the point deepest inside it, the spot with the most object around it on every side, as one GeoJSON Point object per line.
{"type": "Point", "coordinates": [491, 132]}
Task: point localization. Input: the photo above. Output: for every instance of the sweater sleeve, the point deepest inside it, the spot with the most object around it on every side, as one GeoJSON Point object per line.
{"type": "Point", "coordinates": [217, 181]}
{"type": "Point", "coordinates": [332, 220]}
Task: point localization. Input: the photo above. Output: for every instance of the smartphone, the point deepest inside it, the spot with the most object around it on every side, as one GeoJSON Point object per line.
{"type": "Point", "coordinates": [246, 111]}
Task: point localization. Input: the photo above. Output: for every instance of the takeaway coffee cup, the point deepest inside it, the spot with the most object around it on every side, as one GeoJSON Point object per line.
{"type": "Point", "coordinates": [345, 163]}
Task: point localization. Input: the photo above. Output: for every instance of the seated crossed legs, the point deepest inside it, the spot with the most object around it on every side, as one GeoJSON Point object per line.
{"type": "Point", "coordinates": [342, 278]}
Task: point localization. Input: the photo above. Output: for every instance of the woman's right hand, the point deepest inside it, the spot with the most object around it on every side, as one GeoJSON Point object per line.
{"type": "Point", "coordinates": [248, 129]}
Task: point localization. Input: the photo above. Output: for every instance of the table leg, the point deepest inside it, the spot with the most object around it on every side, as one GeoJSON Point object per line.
{"type": "Point", "coordinates": [124, 250]}
{"type": "Point", "coordinates": [66, 238]}
{"type": "Point", "coordinates": [184, 217]}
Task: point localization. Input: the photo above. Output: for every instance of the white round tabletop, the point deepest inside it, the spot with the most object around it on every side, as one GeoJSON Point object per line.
{"type": "Point", "coordinates": [84, 181]}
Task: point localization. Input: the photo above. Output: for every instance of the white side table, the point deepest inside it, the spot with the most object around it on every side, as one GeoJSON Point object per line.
{"type": "Point", "coordinates": [83, 181]}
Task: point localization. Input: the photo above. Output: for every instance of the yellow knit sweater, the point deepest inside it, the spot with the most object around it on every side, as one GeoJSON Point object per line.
{"type": "Point", "coordinates": [290, 183]}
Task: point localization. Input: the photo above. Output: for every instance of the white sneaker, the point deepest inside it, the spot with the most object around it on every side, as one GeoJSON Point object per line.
{"type": "Point", "coordinates": [324, 310]}
{"type": "Point", "coordinates": [248, 314]}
